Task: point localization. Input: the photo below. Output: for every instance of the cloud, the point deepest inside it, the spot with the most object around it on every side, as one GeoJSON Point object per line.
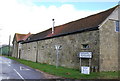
{"type": "Point", "coordinates": [22, 16]}
{"type": "Point", "coordinates": [74, 0]}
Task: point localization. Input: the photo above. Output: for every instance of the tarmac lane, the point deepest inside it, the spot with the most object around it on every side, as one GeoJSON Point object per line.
{"type": "Point", "coordinates": [10, 69]}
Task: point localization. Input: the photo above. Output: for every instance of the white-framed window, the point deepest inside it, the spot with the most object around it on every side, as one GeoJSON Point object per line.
{"type": "Point", "coordinates": [117, 28]}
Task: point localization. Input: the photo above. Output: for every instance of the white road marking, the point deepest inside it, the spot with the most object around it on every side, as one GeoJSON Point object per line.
{"type": "Point", "coordinates": [8, 78]}
{"type": "Point", "coordinates": [8, 64]}
{"type": "Point", "coordinates": [1, 78]}
{"type": "Point", "coordinates": [19, 74]}
{"type": "Point", "coordinates": [23, 68]}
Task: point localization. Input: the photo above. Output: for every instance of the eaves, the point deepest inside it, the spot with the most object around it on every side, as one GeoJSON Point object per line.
{"type": "Point", "coordinates": [63, 34]}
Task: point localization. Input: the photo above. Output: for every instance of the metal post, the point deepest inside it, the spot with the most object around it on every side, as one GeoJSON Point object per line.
{"type": "Point", "coordinates": [80, 64]}
{"type": "Point", "coordinates": [57, 58]}
{"type": "Point", "coordinates": [89, 62]}
{"type": "Point", "coordinates": [57, 47]}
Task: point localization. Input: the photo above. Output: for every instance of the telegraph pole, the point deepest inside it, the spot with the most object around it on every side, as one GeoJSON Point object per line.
{"type": "Point", "coordinates": [1, 45]}
{"type": "Point", "coordinates": [9, 45]}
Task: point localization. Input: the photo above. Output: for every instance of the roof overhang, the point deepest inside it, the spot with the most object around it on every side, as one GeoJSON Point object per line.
{"type": "Point", "coordinates": [64, 34]}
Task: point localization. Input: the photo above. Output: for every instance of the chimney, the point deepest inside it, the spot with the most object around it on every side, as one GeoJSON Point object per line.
{"type": "Point", "coordinates": [53, 26]}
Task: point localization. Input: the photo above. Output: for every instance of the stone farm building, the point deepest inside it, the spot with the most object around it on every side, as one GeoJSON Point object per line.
{"type": "Point", "coordinates": [98, 34]}
{"type": "Point", "coordinates": [17, 40]}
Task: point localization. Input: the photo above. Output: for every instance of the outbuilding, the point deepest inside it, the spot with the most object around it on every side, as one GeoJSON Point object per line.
{"type": "Point", "coordinates": [97, 35]}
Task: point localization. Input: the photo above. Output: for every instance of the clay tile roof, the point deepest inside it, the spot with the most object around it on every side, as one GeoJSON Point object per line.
{"type": "Point", "coordinates": [78, 25]}
{"type": "Point", "coordinates": [21, 37]}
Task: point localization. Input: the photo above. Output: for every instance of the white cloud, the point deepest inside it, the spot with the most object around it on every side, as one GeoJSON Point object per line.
{"type": "Point", "coordinates": [72, 0]}
{"type": "Point", "coordinates": [18, 17]}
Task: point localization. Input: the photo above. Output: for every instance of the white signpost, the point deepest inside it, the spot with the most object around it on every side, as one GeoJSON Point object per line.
{"type": "Point", "coordinates": [85, 55]}
{"type": "Point", "coordinates": [85, 70]}
{"type": "Point", "coordinates": [88, 55]}
{"type": "Point", "coordinates": [57, 47]}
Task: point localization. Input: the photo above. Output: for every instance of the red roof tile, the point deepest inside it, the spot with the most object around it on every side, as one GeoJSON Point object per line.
{"type": "Point", "coordinates": [78, 25]}
{"type": "Point", "coordinates": [21, 37]}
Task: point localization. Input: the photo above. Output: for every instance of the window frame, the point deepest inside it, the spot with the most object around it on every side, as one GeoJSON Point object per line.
{"type": "Point", "coordinates": [117, 26]}
{"type": "Point", "coordinates": [85, 46]}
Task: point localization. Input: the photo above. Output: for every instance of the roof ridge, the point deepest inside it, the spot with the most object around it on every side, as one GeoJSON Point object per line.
{"type": "Point", "coordinates": [85, 23]}
{"type": "Point", "coordinates": [89, 15]}
{"type": "Point", "coordinates": [20, 34]}
{"type": "Point", "coordinates": [77, 20]}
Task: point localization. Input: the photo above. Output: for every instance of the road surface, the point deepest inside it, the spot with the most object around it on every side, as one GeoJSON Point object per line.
{"type": "Point", "coordinates": [10, 69]}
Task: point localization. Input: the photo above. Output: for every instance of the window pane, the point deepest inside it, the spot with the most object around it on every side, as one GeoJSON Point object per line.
{"type": "Point", "coordinates": [117, 26]}
{"type": "Point", "coordinates": [85, 46]}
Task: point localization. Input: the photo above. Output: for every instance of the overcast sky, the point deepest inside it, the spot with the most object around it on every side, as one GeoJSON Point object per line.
{"type": "Point", "coordinates": [24, 16]}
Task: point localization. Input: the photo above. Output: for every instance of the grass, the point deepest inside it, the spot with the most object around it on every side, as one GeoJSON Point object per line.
{"type": "Point", "coordinates": [67, 72]}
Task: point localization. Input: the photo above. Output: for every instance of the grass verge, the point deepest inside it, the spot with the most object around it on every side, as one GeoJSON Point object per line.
{"type": "Point", "coordinates": [67, 72]}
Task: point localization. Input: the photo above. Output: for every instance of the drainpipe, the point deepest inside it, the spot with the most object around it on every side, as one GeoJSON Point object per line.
{"type": "Point", "coordinates": [18, 51]}
{"type": "Point", "coordinates": [37, 52]}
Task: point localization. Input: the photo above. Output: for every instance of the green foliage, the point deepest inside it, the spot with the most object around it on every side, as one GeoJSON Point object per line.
{"type": "Point", "coordinates": [5, 50]}
{"type": "Point", "coordinates": [67, 72]}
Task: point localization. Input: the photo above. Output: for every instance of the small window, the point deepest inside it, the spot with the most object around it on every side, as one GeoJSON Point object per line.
{"type": "Point", "coordinates": [117, 29]}
{"type": "Point", "coordinates": [85, 46]}
{"type": "Point", "coordinates": [29, 49]}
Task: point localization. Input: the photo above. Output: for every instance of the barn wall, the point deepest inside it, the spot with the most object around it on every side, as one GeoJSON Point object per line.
{"type": "Point", "coordinates": [71, 46]}
{"type": "Point", "coordinates": [109, 44]}
{"type": "Point", "coordinates": [29, 51]}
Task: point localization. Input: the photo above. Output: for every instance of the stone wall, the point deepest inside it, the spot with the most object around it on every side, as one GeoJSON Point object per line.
{"type": "Point", "coordinates": [71, 46]}
{"type": "Point", "coordinates": [119, 39]}
{"type": "Point", "coordinates": [108, 47]}
{"type": "Point", "coordinates": [28, 51]}
{"type": "Point", "coordinates": [109, 43]}
{"type": "Point", "coordinates": [15, 49]}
